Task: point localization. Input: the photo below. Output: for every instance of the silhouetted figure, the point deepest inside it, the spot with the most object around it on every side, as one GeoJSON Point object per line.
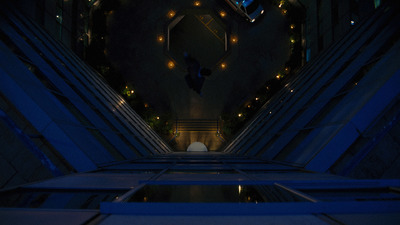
{"type": "Point", "coordinates": [194, 78]}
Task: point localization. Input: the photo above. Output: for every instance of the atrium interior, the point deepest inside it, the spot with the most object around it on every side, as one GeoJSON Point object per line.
{"type": "Point", "coordinates": [323, 149]}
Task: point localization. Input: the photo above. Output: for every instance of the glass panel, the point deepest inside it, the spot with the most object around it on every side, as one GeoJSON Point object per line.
{"type": "Point", "coordinates": [201, 171]}
{"type": "Point", "coordinates": [61, 199]}
{"type": "Point", "coordinates": [370, 194]}
{"type": "Point", "coordinates": [144, 171]}
{"type": "Point", "coordinates": [212, 194]}
{"type": "Point", "coordinates": [251, 6]}
{"type": "Point", "coordinates": [288, 172]}
{"type": "Point", "coordinates": [199, 161]}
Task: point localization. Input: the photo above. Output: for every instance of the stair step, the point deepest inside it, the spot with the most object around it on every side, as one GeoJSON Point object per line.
{"type": "Point", "coordinates": [197, 125]}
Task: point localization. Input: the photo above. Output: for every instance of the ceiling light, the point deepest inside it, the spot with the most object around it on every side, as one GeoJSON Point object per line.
{"type": "Point", "coordinates": [171, 65]}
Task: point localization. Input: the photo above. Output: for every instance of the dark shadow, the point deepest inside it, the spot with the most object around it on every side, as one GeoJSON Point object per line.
{"type": "Point", "coordinates": [196, 75]}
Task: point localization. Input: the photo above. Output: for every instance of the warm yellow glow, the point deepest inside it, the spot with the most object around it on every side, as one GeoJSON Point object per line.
{"type": "Point", "coordinates": [160, 38]}
{"type": "Point", "coordinates": [158, 117]}
{"type": "Point", "coordinates": [292, 40]}
{"type": "Point", "coordinates": [291, 91]}
{"type": "Point", "coordinates": [132, 91]}
{"type": "Point", "coordinates": [234, 39]}
{"type": "Point", "coordinates": [284, 11]}
{"type": "Point", "coordinates": [197, 3]}
{"type": "Point", "coordinates": [240, 115]}
{"type": "Point", "coordinates": [126, 86]}
{"type": "Point", "coordinates": [240, 189]}
{"type": "Point", "coordinates": [281, 4]}
{"type": "Point", "coordinates": [278, 76]}
{"type": "Point", "coordinates": [171, 65]}
{"type": "Point", "coordinates": [146, 105]}
{"type": "Point", "coordinates": [222, 13]}
{"type": "Point", "coordinates": [257, 98]}
{"type": "Point", "coordinates": [248, 106]}
{"type": "Point", "coordinates": [223, 65]}
{"type": "Point", "coordinates": [171, 13]}
{"type": "Point", "coordinates": [109, 13]}
{"type": "Point", "coordinates": [292, 26]}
